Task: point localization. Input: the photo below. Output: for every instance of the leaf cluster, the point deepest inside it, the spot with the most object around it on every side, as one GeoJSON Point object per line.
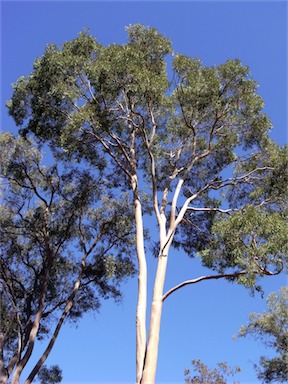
{"type": "Point", "coordinates": [271, 328]}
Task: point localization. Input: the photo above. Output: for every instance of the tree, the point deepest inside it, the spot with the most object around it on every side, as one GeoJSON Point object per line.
{"type": "Point", "coordinates": [209, 376]}
{"type": "Point", "coordinates": [194, 152]}
{"type": "Point", "coordinates": [62, 248]}
{"type": "Point", "coordinates": [271, 328]}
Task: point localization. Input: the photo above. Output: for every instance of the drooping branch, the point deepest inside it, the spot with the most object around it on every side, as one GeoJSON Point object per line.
{"type": "Point", "coordinates": [230, 276]}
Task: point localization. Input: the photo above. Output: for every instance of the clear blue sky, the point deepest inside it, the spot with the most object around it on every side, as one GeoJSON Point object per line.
{"type": "Point", "coordinates": [200, 320]}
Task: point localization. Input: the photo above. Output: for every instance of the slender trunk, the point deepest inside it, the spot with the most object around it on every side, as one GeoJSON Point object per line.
{"type": "Point", "coordinates": [68, 306]}
{"type": "Point", "coordinates": [35, 327]}
{"type": "Point", "coordinates": [142, 286]}
{"type": "Point", "coordinates": [32, 337]}
{"type": "Point", "coordinates": [149, 371]}
{"type": "Point", "coordinates": [47, 351]}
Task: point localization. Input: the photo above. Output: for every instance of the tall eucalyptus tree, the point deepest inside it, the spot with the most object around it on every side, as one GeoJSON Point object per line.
{"type": "Point", "coordinates": [193, 151]}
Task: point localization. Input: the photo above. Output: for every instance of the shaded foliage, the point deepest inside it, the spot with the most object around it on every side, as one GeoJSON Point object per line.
{"type": "Point", "coordinates": [55, 226]}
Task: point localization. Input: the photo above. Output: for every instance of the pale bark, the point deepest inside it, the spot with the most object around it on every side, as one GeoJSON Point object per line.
{"type": "Point", "coordinates": [149, 372]}
{"type": "Point", "coordinates": [142, 286]}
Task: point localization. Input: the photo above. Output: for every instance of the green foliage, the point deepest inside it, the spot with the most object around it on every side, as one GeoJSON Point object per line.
{"type": "Point", "coordinates": [55, 224]}
{"type": "Point", "coordinates": [205, 375]}
{"type": "Point", "coordinates": [107, 104]}
{"type": "Point", "coordinates": [270, 189]}
{"type": "Point", "coordinates": [271, 328]}
{"type": "Point", "coordinates": [113, 107]}
{"type": "Point", "coordinates": [251, 239]}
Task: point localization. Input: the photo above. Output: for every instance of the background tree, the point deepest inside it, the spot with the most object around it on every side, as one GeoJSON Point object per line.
{"type": "Point", "coordinates": [271, 328]}
{"type": "Point", "coordinates": [193, 151]}
{"type": "Point", "coordinates": [62, 250]}
{"type": "Point", "coordinates": [205, 375]}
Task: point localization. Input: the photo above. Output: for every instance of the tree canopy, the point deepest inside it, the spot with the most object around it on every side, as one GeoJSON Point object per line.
{"type": "Point", "coordinates": [187, 143]}
{"type": "Point", "coordinates": [63, 248]}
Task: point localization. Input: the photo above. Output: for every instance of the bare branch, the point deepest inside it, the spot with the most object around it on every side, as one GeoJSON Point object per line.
{"type": "Point", "coordinates": [152, 163]}
{"type": "Point", "coordinates": [216, 277]}
{"type": "Point", "coordinates": [210, 185]}
{"type": "Point", "coordinates": [195, 209]}
{"type": "Point", "coordinates": [121, 146]}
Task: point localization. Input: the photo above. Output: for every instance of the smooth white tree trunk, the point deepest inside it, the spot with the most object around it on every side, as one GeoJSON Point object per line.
{"type": "Point", "coordinates": [150, 366]}
{"type": "Point", "coordinates": [149, 372]}
{"type": "Point", "coordinates": [142, 286]}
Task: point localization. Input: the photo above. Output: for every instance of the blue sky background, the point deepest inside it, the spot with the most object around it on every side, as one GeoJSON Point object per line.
{"type": "Point", "coordinates": [200, 320]}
